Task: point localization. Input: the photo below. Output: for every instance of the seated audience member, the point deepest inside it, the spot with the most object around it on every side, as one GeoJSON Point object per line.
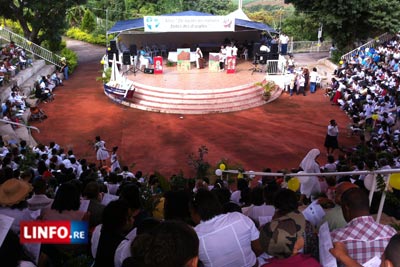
{"type": "Point", "coordinates": [131, 194]}
{"type": "Point", "coordinates": [258, 207]}
{"type": "Point", "coordinates": [13, 253]}
{"type": "Point", "coordinates": [123, 250]}
{"type": "Point", "coordinates": [286, 205]}
{"type": "Point", "coordinates": [363, 237]}
{"type": "Point", "coordinates": [126, 174]}
{"type": "Point", "coordinates": [91, 192]}
{"type": "Point", "coordinates": [222, 236]}
{"type": "Point", "coordinates": [242, 195]}
{"type": "Point", "coordinates": [39, 200]}
{"type": "Point", "coordinates": [283, 239]}
{"type": "Point", "coordinates": [41, 92]}
{"type": "Point", "coordinates": [334, 216]}
{"type": "Point", "coordinates": [389, 258]}
{"type": "Point", "coordinates": [113, 183]}
{"type": "Point", "coordinates": [13, 194]}
{"type": "Point", "coordinates": [65, 207]}
{"type": "Point", "coordinates": [117, 220]}
{"type": "Point", "coordinates": [176, 206]}
{"type": "Point", "coordinates": [56, 79]}
{"type": "Point", "coordinates": [170, 244]}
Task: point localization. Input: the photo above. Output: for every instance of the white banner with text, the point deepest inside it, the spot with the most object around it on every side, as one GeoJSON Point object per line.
{"type": "Point", "coordinates": [189, 24]}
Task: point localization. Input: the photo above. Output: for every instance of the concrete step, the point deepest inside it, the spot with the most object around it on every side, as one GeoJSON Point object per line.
{"type": "Point", "coordinates": [171, 103]}
{"type": "Point", "coordinates": [27, 85]}
{"type": "Point", "coordinates": [25, 80]}
{"type": "Point", "coordinates": [20, 78]}
{"type": "Point", "coordinates": [24, 134]}
{"type": "Point", "coordinates": [196, 99]}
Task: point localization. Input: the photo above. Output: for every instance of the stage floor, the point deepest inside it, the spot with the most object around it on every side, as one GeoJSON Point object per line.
{"type": "Point", "coordinates": [198, 78]}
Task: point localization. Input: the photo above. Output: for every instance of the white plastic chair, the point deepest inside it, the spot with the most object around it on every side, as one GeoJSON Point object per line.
{"type": "Point", "coordinates": [143, 62]}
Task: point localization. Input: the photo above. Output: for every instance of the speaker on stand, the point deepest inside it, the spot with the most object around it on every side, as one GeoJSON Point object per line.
{"type": "Point", "coordinates": [133, 50]}
{"type": "Point", "coordinates": [110, 56]}
{"type": "Point", "coordinates": [126, 58]}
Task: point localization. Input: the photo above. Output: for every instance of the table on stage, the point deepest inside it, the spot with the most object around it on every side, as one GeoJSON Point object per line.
{"type": "Point", "coordinates": [172, 56]}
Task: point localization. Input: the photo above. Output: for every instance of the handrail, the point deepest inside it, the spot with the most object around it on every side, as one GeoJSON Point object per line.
{"type": "Point", "coordinates": [20, 124]}
{"type": "Point", "coordinates": [29, 46]}
{"type": "Point", "coordinates": [372, 190]}
{"type": "Point", "coordinates": [382, 38]}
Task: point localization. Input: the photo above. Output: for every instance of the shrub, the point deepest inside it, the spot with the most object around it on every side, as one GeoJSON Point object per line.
{"type": "Point", "coordinates": [71, 58]}
{"type": "Point", "coordinates": [78, 34]}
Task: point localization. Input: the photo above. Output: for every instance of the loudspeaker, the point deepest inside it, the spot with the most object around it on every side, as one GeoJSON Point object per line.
{"type": "Point", "coordinates": [274, 49]}
{"type": "Point", "coordinates": [110, 55]}
{"type": "Point", "coordinates": [126, 58]}
{"type": "Point", "coordinates": [148, 71]}
{"type": "Point", "coordinates": [113, 45]}
{"type": "Point", "coordinates": [133, 49]}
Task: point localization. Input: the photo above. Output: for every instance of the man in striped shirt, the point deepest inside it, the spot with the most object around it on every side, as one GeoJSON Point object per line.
{"type": "Point", "coordinates": [363, 237]}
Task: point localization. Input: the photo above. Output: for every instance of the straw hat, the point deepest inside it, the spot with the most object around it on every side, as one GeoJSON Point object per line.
{"type": "Point", "coordinates": [14, 191]}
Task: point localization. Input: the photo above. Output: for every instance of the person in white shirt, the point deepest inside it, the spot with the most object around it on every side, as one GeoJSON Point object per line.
{"type": "Point", "coordinates": [225, 239]}
{"type": "Point", "coordinates": [39, 200]}
{"type": "Point", "coordinates": [313, 80]}
{"type": "Point", "coordinates": [258, 211]}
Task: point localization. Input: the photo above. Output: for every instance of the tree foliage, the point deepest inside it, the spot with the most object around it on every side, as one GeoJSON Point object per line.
{"type": "Point", "coordinates": [301, 27]}
{"type": "Point", "coordinates": [39, 20]}
{"type": "Point", "coordinates": [350, 21]}
{"type": "Point", "coordinates": [88, 21]}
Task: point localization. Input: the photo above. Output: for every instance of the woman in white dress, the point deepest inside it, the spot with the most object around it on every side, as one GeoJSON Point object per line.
{"type": "Point", "coordinates": [101, 152]}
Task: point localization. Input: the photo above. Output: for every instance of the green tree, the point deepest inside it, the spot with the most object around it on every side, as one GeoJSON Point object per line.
{"type": "Point", "coordinates": [39, 20]}
{"type": "Point", "coordinates": [75, 15]}
{"type": "Point", "coordinates": [301, 27]}
{"type": "Point", "coordinates": [116, 9]}
{"type": "Point", "coordinates": [88, 22]}
{"type": "Point", "coordinates": [351, 21]}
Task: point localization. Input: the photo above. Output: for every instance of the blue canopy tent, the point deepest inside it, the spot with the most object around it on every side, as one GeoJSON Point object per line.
{"type": "Point", "coordinates": [132, 32]}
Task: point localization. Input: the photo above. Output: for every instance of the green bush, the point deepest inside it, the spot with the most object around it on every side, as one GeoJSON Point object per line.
{"type": "Point", "coordinates": [72, 59]}
{"type": "Point", "coordinates": [78, 34]}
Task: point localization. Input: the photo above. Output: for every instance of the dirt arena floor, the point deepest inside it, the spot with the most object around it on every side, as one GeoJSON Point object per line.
{"type": "Point", "coordinates": [276, 135]}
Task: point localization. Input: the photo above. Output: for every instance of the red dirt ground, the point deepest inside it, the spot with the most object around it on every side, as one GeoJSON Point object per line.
{"type": "Point", "coordinates": [276, 135]}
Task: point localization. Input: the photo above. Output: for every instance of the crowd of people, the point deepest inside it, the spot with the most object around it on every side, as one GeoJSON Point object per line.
{"type": "Point", "coordinates": [137, 220]}
{"type": "Point", "coordinates": [12, 60]}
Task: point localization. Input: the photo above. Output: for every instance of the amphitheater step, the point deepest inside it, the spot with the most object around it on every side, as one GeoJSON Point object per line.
{"type": "Point", "coordinates": [178, 101]}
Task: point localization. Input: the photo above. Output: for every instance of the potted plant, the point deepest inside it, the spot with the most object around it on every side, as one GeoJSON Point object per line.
{"type": "Point", "coordinates": [268, 87]}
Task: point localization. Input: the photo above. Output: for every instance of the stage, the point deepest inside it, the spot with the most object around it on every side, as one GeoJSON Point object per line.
{"type": "Point", "coordinates": [197, 91]}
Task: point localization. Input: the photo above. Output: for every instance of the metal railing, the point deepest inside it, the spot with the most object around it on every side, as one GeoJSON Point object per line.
{"type": "Point", "coordinates": [380, 39]}
{"type": "Point", "coordinates": [374, 185]}
{"type": "Point", "coordinates": [308, 47]}
{"type": "Point", "coordinates": [275, 67]}
{"type": "Point", "coordinates": [30, 47]}
{"type": "Point", "coordinates": [28, 127]}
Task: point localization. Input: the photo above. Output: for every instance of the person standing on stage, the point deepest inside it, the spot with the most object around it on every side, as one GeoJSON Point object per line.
{"type": "Point", "coordinates": [199, 56]}
{"type": "Point", "coordinates": [331, 139]}
{"type": "Point", "coordinates": [222, 56]}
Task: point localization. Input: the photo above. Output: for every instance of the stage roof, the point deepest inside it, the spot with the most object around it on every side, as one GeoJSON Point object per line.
{"type": "Point", "coordinates": [134, 24]}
